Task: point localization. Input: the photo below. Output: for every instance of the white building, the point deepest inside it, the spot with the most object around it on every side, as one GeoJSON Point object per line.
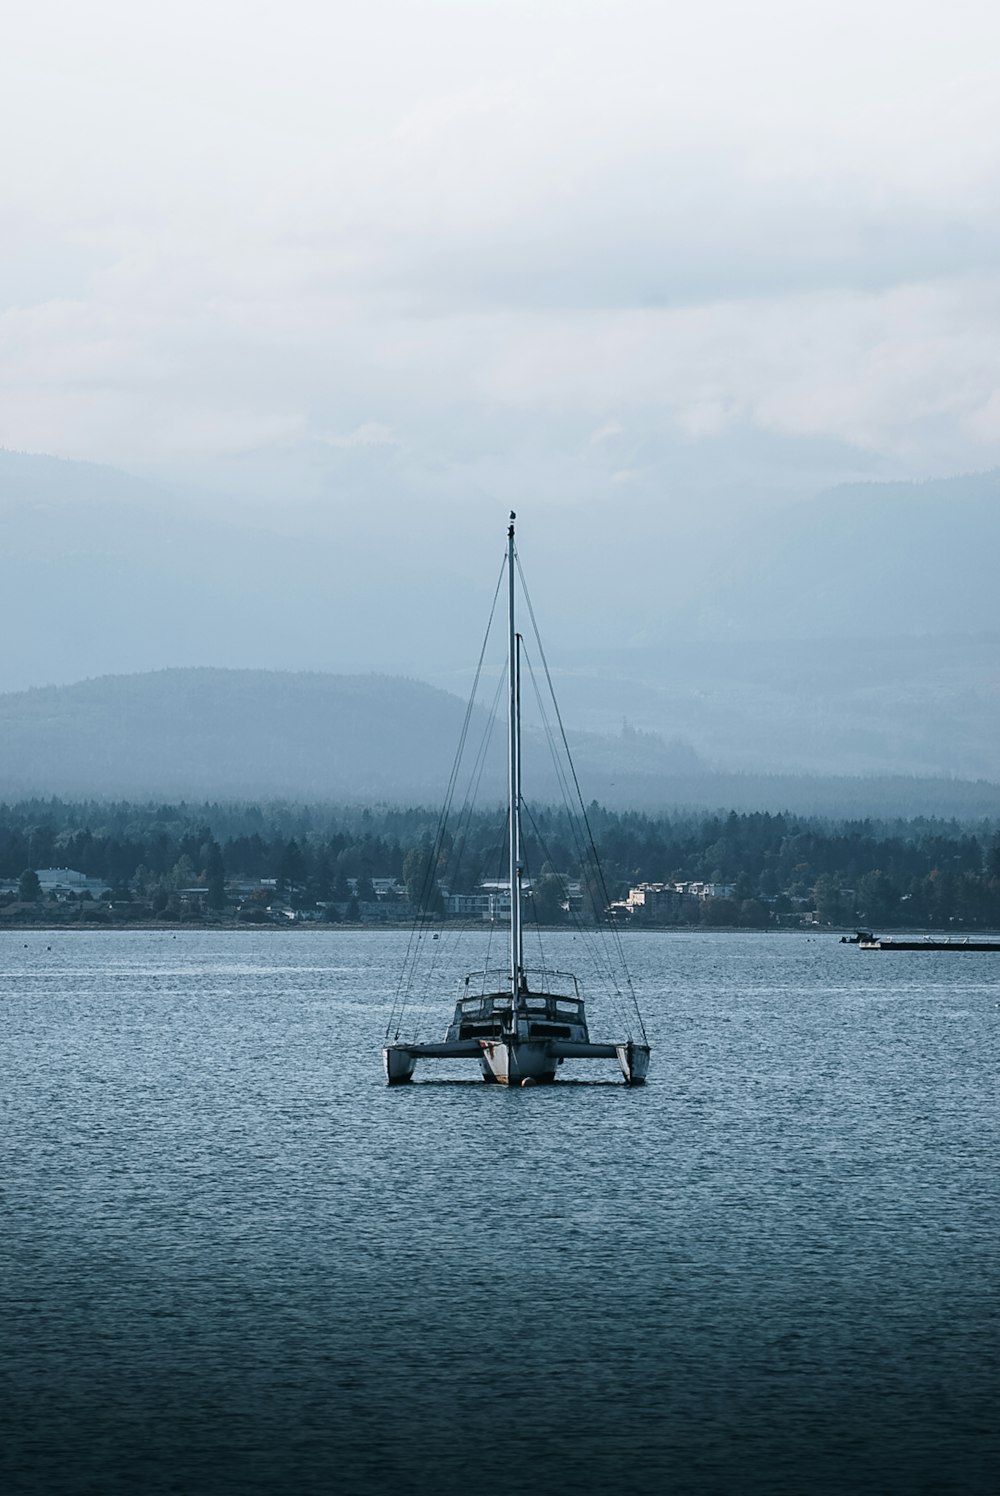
{"type": "Point", "coordinates": [468, 905]}
{"type": "Point", "coordinates": [63, 881]}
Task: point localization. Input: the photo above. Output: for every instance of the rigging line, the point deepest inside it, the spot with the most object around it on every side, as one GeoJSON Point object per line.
{"type": "Point", "coordinates": [560, 772]}
{"type": "Point", "coordinates": [596, 947]}
{"type": "Point", "coordinates": [406, 973]}
{"type": "Point", "coordinates": [451, 936]}
{"type": "Point", "coordinates": [557, 767]}
{"type": "Point", "coordinates": [418, 1005]}
{"type": "Point", "coordinates": [446, 940]}
{"type": "Point", "coordinates": [472, 791]}
{"type": "Point", "coordinates": [616, 933]}
{"type": "Point", "coordinates": [495, 845]}
{"type": "Point", "coordinates": [527, 868]}
{"type": "Point", "coordinates": [430, 870]}
{"type": "Point", "coordinates": [598, 957]}
{"type": "Point", "coordinates": [498, 844]}
{"type": "Point", "coordinates": [475, 773]}
{"type": "Point", "coordinates": [545, 854]}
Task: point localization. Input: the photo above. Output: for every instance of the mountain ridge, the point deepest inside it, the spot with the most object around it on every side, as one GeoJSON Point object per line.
{"type": "Point", "coordinates": [859, 560]}
{"type": "Point", "coordinates": [261, 733]}
{"type": "Point", "coordinates": [104, 574]}
{"type": "Point", "coordinates": [217, 734]}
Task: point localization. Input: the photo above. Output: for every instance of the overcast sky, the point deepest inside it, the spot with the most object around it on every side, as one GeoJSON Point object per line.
{"type": "Point", "coordinates": [465, 249]}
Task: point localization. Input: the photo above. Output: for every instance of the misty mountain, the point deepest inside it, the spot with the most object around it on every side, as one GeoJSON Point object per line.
{"type": "Point", "coordinates": [857, 632]}
{"type": "Point", "coordinates": [920, 706]}
{"type": "Point", "coordinates": [254, 735]}
{"type": "Point", "coordinates": [230, 734]}
{"type": "Point", "coordinates": [864, 561]}
{"type": "Point", "coordinates": [107, 573]}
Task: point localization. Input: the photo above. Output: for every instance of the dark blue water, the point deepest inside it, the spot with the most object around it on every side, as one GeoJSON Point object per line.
{"type": "Point", "coordinates": [233, 1261]}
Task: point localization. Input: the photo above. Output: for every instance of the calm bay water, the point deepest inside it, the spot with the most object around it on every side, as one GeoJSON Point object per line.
{"type": "Point", "coordinates": [233, 1261]}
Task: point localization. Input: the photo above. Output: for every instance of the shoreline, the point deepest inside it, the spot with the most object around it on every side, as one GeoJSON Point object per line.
{"type": "Point", "coordinates": [375, 926]}
{"type": "Point", "coordinates": [316, 926]}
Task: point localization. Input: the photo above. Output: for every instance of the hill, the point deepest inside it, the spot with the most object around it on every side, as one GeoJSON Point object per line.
{"type": "Point", "coordinates": [228, 733]}
{"type": "Point", "coordinates": [863, 561]}
{"type": "Point", "coordinates": [264, 734]}
{"type": "Point", "coordinates": [920, 706]}
{"type": "Point", "coordinates": [231, 735]}
{"type": "Point", "coordinates": [857, 632]}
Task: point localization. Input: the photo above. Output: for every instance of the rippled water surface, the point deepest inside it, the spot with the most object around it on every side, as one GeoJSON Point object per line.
{"type": "Point", "coordinates": [233, 1261]}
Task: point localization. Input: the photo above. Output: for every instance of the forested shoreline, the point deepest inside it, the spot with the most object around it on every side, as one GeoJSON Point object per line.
{"type": "Point", "coordinates": [776, 868]}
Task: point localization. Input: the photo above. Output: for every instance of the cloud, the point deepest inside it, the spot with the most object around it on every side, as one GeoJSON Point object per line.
{"type": "Point", "coordinates": [368, 434]}
{"type": "Point", "coordinates": [476, 231]}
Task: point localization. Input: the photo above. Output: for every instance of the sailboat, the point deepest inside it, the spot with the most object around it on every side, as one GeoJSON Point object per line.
{"type": "Point", "coordinates": [522, 1024]}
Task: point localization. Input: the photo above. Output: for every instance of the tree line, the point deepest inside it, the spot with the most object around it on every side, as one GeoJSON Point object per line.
{"type": "Point", "coordinates": [915, 873]}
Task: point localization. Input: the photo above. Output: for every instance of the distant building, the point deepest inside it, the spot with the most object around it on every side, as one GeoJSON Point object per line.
{"type": "Point", "coordinates": [573, 889]}
{"type": "Point", "coordinates": [490, 901]}
{"type": "Point", "coordinates": [63, 881]}
{"type": "Point", "coordinates": [654, 900]}
{"type": "Point", "coordinates": [197, 896]}
{"type": "Point", "coordinates": [706, 890]}
{"type": "Point", "coordinates": [386, 888]}
{"type": "Point", "coordinates": [383, 888]}
{"type": "Point", "coordinates": [468, 905]}
{"type": "Point", "coordinates": [665, 901]}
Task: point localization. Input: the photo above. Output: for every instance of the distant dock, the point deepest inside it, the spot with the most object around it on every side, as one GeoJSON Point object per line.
{"type": "Point", "coordinates": [866, 941]}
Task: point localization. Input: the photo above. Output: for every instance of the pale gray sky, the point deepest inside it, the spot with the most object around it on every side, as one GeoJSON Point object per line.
{"type": "Point", "coordinates": [458, 250]}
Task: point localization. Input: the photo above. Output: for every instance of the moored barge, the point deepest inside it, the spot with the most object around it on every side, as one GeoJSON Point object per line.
{"type": "Point", "coordinates": [866, 941]}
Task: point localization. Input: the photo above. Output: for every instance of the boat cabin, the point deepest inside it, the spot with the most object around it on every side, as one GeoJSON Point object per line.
{"type": "Point", "coordinates": [549, 1014]}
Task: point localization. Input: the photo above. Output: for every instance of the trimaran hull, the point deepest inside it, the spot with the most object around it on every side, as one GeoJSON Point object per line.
{"type": "Point", "coordinates": [516, 1062]}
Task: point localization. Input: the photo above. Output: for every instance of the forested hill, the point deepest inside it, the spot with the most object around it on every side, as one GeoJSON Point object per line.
{"type": "Point", "coordinates": [852, 633]}
{"type": "Point", "coordinates": [236, 734]}
{"type": "Point", "coordinates": [264, 735]}
{"type": "Point", "coordinates": [915, 873]}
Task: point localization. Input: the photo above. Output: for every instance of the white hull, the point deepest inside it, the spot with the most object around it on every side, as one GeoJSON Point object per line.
{"type": "Point", "coordinates": [512, 1062]}
{"type": "Point", "coordinates": [515, 1061]}
{"type": "Point", "coordinates": [634, 1061]}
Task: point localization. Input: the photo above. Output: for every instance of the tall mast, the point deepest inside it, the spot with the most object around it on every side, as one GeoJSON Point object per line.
{"type": "Point", "coordinates": [514, 780]}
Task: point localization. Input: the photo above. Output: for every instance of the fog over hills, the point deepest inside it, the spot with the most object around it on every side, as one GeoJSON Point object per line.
{"type": "Point", "coordinates": [927, 706]}
{"type": "Point", "coordinates": [862, 561]}
{"type": "Point", "coordinates": [708, 295]}
{"type": "Point", "coordinates": [231, 735]}
{"type": "Point", "coordinates": [857, 632]}
{"type": "Point", "coordinates": [255, 734]}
